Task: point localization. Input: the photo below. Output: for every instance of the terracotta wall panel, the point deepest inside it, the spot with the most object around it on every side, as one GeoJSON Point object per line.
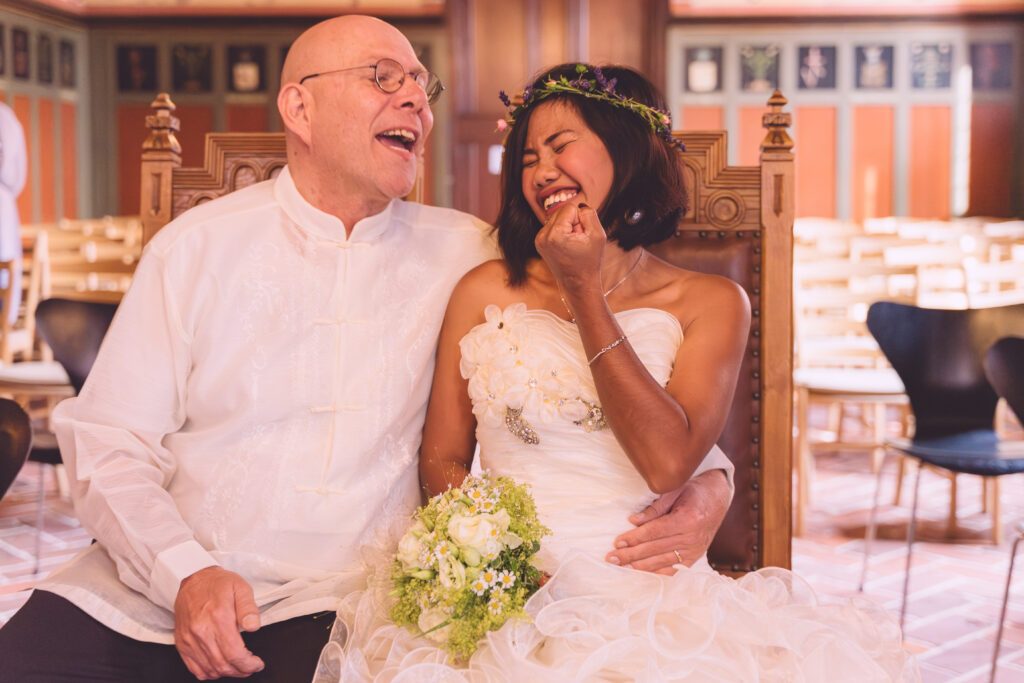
{"type": "Point", "coordinates": [816, 167]}
{"type": "Point", "coordinates": [22, 107]}
{"type": "Point", "coordinates": [246, 118]}
{"type": "Point", "coordinates": [69, 158]}
{"type": "Point", "coordinates": [131, 132]}
{"type": "Point", "coordinates": [930, 161]}
{"type": "Point", "coordinates": [872, 175]}
{"type": "Point", "coordinates": [196, 122]}
{"type": "Point", "coordinates": [751, 135]}
{"type": "Point", "coordinates": [47, 161]}
{"type": "Point", "coordinates": [992, 130]}
{"type": "Point", "coordinates": [701, 118]}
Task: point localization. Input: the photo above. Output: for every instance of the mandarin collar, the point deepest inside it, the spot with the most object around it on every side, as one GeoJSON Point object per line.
{"type": "Point", "coordinates": [322, 225]}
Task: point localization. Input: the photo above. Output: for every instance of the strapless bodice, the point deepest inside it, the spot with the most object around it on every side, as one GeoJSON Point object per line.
{"type": "Point", "coordinates": [539, 419]}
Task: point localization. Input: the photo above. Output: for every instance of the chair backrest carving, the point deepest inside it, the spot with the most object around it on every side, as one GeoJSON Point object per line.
{"type": "Point", "coordinates": [739, 225]}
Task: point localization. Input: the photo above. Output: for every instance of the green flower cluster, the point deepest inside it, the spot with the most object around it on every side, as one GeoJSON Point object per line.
{"type": "Point", "coordinates": [465, 566]}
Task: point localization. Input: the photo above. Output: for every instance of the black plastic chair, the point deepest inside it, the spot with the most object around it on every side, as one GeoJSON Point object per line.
{"type": "Point", "coordinates": [1004, 367]}
{"type": "Point", "coordinates": [939, 356]}
{"type": "Point", "coordinates": [74, 331]}
{"type": "Point", "coordinates": [15, 441]}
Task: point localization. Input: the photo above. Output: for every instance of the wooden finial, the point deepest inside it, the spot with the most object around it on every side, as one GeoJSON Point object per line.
{"type": "Point", "coordinates": [162, 126]}
{"type": "Point", "coordinates": [776, 122]}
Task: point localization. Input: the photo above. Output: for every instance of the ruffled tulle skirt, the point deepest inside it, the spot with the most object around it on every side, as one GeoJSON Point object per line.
{"type": "Point", "coordinates": [597, 622]}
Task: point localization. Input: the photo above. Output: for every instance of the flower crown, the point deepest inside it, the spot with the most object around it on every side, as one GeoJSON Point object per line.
{"type": "Point", "coordinates": [596, 88]}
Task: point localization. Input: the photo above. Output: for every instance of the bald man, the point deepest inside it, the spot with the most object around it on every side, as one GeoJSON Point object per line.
{"type": "Point", "coordinates": [254, 415]}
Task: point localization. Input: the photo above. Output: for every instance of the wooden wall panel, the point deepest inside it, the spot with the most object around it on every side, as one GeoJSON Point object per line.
{"type": "Point", "coordinates": [872, 173]}
{"type": "Point", "coordinates": [992, 133]}
{"type": "Point", "coordinates": [22, 107]}
{"type": "Point", "coordinates": [47, 161]}
{"type": "Point", "coordinates": [69, 158]}
{"type": "Point", "coordinates": [816, 165]}
{"type": "Point", "coordinates": [931, 130]}
{"type": "Point", "coordinates": [751, 135]}
{"type": "Point", "coordinates": [246, 118]}
{"type": "Point", "coordinates": [702, 118]}
{"type": "Point", "coordinates": [499, 50]}
{"type": "Point", "coordinates": [616, 33]}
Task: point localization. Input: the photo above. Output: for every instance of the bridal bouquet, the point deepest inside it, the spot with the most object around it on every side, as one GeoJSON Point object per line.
{"type": "Point", "coordinates": [464, 566]}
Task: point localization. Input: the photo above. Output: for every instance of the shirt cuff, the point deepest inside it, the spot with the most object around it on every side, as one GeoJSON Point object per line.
{"type": "Point", "coordinates": [172, 566]}
{"type": "Point", "coordinates": [716, 459]}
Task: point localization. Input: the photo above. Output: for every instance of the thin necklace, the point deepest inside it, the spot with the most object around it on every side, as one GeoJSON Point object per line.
{"type": "Point", "coordinates": [632, 269]}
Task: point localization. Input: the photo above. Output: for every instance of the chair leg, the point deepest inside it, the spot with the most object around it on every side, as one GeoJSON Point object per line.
{"type": "Point", "coordinates": [985, 493]}
{"type": "Point", "coordinates": [40, 516]}
{"type": "Point", "coordinates": [997, 522]}
{"type": "Point", "coordinates": [1002, 610]}
{"type": "Point", "coordinates": [878, 452]}
{"type": "Point", "coordinates": [869, 532]}
{"type": "Point", "coordinates": [803, 457]}
{"type": "Point", "coordinates": [901, 469]}
{"type": "Point", "coordinates": [910, 546]}
{"type": "Point", "coordinates": [951, 522]}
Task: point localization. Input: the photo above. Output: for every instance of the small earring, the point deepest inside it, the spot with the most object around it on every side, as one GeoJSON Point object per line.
{"type": "Point", "coordinates": [634, 217]}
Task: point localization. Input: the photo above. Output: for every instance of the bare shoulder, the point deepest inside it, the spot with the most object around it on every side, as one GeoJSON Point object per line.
{"type": "Point", "coordinates": [483, 285]}
{"type": "Point", "coordinates": [693, 296]}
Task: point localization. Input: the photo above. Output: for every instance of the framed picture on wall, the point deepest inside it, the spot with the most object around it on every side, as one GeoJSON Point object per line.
{"type": "Point", "coordinates": [192, 67]}
{"type": "Point", "coordinates": [66, 64]}
{"type": "Point", "coordinates": [992, 66]}
{"type": "Point", "coordinates": [759, 68]}
{"type": "Point", "coordinates": [816, 69]}
{"type": "Point", "coordinates": [247, 68]}
{"type": "Point", "coordinates": [874, 67]}
{"type": "Point", "coordinates": [702, 70]}
{"type": "Point", "coordinates": [136, 68]}
{"type": "Point", "coordinates": [20, 53]}
{"type": "Point", "coordinates": [3, 51]}
{"type": "Point", "coordinates": [45, 59]}
{"type": "Point", "coordinates": [931, 65]}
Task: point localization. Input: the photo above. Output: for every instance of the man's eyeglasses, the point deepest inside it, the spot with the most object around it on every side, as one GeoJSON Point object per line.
{"type": "Point", "coordinates": [390, 76]}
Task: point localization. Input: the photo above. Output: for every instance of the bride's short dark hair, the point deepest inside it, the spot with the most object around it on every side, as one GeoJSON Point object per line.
{"type": "Point", "coordinates": [647, 177]}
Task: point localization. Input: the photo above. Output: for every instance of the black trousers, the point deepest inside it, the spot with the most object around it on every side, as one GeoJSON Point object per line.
{"type": "Point", "coordinates": [50, 640]}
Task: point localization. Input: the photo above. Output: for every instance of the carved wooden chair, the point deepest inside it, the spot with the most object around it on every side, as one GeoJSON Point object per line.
{"type": "Point", "coordinates": [740, 225]}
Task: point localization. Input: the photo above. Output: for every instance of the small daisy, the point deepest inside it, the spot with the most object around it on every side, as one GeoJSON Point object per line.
{"type": "Point", "coordinates": [479, 586]}
{"type": "Point", "coordinates": [506, 579]}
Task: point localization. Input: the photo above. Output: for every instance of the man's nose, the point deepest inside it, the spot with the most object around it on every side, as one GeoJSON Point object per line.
{"type": "Point", "coordinates": [411, 95]}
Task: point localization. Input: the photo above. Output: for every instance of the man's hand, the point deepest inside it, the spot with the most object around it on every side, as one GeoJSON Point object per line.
{"type": "Point", "coordinates": [212, 606]}
{"type": "Point", "coordinates": [683, 521]}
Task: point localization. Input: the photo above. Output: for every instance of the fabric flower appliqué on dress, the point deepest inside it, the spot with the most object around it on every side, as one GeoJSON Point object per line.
{"type": "Point", "coordinates": [510, 379]}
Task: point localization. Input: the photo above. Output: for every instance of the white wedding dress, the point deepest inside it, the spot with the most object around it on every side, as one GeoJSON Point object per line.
{"type": "Point", "coordinates": [539, 422]}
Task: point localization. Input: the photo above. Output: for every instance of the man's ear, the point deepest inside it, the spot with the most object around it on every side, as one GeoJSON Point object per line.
{"type": "Point", "coordinates": [294, 102]}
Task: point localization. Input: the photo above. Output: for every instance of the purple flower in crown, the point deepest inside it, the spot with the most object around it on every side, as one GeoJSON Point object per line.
{"type": "Point", "coordinates": [527, 95]}
{"type": "Point", "coordinates": [610, 86]}
{"type": "Point", "coordinates": [601, 80]}
{"type": "Point", "coordinates": [503, 96]}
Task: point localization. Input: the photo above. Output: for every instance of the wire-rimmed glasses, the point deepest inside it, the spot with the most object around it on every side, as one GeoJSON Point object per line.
{"type": "Point", "coordinates": [390, 77]}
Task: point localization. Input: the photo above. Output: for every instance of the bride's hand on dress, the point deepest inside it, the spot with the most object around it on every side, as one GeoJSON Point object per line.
{"type": "Point", "coordinates": [572, 244]}
{"type": "Point", "coordinates": [683, 522]}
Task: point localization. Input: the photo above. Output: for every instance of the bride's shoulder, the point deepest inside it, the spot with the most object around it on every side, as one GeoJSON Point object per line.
{"type": "Point", "coordinates": [691, 294]}
{"type": "Point", "coordinates": [483, 285]}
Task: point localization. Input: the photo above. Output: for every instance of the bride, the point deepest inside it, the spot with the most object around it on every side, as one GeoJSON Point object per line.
{"type": "Point", "coordinates": [600, 375]}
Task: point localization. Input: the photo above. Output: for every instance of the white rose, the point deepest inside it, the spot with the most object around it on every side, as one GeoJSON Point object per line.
{"type": "Point", "coordinates": [475, 532]}
{"type": "Point", "coordinates": [430, 620]}
{"type": "Point", "coordinates": [409, 550]}
{"type": "Point", "coordinates": [451, 573]}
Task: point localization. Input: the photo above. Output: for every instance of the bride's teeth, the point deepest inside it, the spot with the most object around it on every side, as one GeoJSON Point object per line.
{"type": "Point", "coordinates": [562, 196]}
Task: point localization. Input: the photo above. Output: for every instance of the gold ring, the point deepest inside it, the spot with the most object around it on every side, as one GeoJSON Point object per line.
{"type": "Point", "coordinates": [678, 556]}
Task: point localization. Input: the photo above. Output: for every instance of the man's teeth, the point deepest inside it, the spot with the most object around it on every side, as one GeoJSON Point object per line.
{"type": "Point", "coordinates": [562, 196]}
{"type": "Point", "coordinates": [401, 133]}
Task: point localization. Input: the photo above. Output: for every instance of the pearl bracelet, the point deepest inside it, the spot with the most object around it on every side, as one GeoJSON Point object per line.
{"type": "Point", "coordinates": [606, 349]}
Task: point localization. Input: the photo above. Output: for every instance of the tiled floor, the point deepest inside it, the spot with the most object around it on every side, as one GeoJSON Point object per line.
{"type": "Point", "coordinates": [955, 587]}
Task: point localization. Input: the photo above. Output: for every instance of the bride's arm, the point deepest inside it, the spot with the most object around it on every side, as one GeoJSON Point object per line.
{"type": "Point", "coordinates": [666, 432]}
{"type": "Point", "coordinates": [449, 434]}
